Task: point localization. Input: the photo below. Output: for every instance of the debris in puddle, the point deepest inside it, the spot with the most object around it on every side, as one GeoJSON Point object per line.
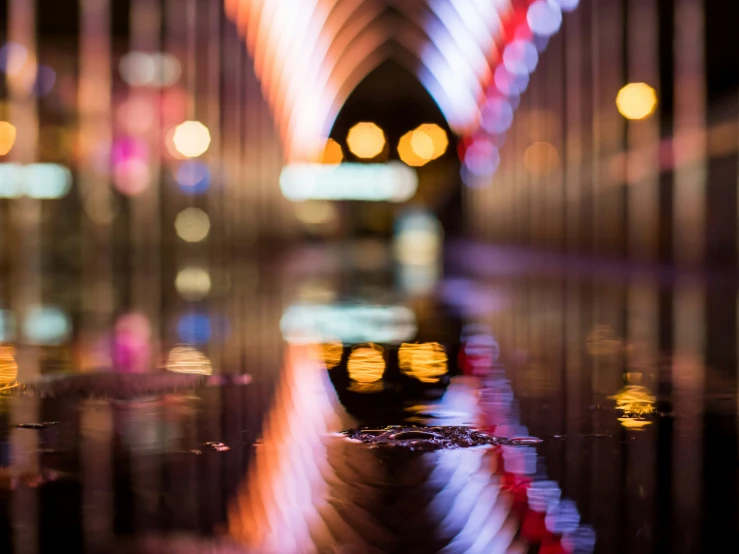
{"type": "Point", "coordinates": [558, 436]}
{"type": "Point", "coordinates": [421, 438]}
{"type": "Point", "coordinates": [194, 452]}
{"type": "Point", "coordinates": [36, 426]}
{"type": "Point", "coordinates": [218, 446]}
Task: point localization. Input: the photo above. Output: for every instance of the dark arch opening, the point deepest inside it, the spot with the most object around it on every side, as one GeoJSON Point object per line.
{"type": "Point", "coordinates": [394, 99]}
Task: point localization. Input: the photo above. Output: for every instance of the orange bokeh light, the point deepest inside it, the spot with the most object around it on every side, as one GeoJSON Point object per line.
{"type": "Point", "coordinates": [366, 140]}
{"type": "Point", "coordinates": [7, 137]}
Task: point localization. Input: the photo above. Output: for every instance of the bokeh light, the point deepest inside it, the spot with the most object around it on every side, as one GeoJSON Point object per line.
{"type": "Point", "coordinates": [132, 343]}
{"type": "Point", "coordinates": [188, 360]}
{"type": "Point", "coordinates": [541, 158]}
{"type": "Point", "coordinates": [130, 159]}
{"type": "Point", "coordinates": [193, 176]}
{"type": "Point", "coordinates": [316, 212]}
{"type": "Point", "coordinates": [407, 154]}
{"type": "Point", "coordinates": [46, 326]}
{"type": "Point", "coordinates": [191, 139]}
{"type": "Point", "coordinates": [636, 101]}
{"type": "Point", "coordinates": [140, 69]}
{"type": "Point", "coordinates": [45, 80]}
{"type": "Point", "coordinates": [332, 353]}
{"type": "Point", "coordinates": [136, 115]}
{"type": "Point", "coordinates": [422, 145]}
{"type": "Point", "coordinates": [520, 57]}
{"type": "Point", "coordinates": [332, 153]}
{"type": "Point", "coordinates": [193, 283]}
{"type": "Point", "coordinates": [8, 368]}
{"type": "Point", "coordinates": [482, 157]}
{"type": "Point", "coordinates": [544, 17]}
{"type": "Point", "coordinates": [496, 115]}
{"type": "Point", "coordinates": [194, 328]}
{"type": "Point", "coordinates": [426, 362]}
{"type": "Point", "coordinates": [46, 181]}
{"type": "Point", "coordinates": [366, 366]}
{"type": "Point", "coordinates": [8, 134]}
{"type": "Point", "coordinates": [366, 140]}
{"type": "Point", "coordinates": [418, 238]}
{"type": "Point", "coordinates": [192, 225]}
{"type": "Point", "coordinates": [13, 57]}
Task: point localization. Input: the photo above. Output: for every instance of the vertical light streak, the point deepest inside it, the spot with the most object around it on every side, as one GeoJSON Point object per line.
{"type": "Point", "coordinates": [25, 220]}
{"type": "Point", "coordinates": [689, 133]}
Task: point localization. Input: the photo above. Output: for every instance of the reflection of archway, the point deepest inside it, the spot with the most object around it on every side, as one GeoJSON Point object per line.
{"type": "Point", "coordinates": [310, 55]}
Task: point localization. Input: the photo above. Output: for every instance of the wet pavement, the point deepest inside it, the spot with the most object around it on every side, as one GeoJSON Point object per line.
{"type": "Point", "coordinates": [543, 405]}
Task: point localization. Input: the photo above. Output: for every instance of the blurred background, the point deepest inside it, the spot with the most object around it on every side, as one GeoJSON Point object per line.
{"type": "Point", "coordinates": [186, 186]}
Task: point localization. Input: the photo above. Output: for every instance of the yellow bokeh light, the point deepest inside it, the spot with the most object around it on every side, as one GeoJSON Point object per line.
{"type": "Point", "coordinates": [332, 153]}
{"type": "Point", "coordinates": [191, 139]}
{"type": "Point", "coordinates": [366, 364]}
{"type": "Point", "coordinates": [541, 158]}
{"type": "Point", "coordinates": [407, 155]}
{"type": "Point", "coordinates": [426, 361]}
{"type": "Point", "coordinates": [422, 145]}
{"type": "Point", "coordinates": [192, 224]}
{"type": "Point", "coordinates": [438, 137]}
{"type": "Point", "coordinates": [193, 283]}
{"type": "Point", "coordinates": [366, 140]}
{"type": "Point", "coordinates": [7, 137]}
{"type": "Point", "coordinates": [186, 359]}
{"type": "Point", "coordinates": [332, 353]}
{"type": "Point", "coordinates": [8, 368]}
{"type": "Point", "coordinates": [636, 101]}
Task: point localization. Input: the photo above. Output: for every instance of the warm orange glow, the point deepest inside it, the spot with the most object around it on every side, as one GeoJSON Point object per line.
{"type": "Point", "coordinates": [635, 402]}
{"type": "Point", "coordinates": [332, 153]}
{"type": "Point", "coordinates": [438, 137]}
{"type": "Point", "coordinates": [422, 145]}
{"type": "Point", "coordinates": [366, 366]}
{"type": "Point", "coordinates": [7, 137]}
{"type": "Point", "coordinates": [406, 152]}
{"type": "Point", "coordinates": [426, 361]}
{"type": "Point", "coordinates": [366, 140]}
{"type": "Point", "coordinates": [541, 158]}
{"type": "Point", "coordinates": [191, 139]}
{"type": "Point", "coordinates": [8, 368]}
{"type": "Point", "coordinates": [636, 101]}
{"type": "Point", "coordinates": [332, 353]}
{"type": "Point", "coordinates": [186, 359]}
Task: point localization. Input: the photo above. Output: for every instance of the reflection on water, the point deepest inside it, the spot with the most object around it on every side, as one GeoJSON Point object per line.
{"type": "Point", "coordinates": [610, 408]}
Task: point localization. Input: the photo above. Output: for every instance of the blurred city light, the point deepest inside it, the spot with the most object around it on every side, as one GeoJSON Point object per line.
{"type": "Point", "coordinates": [366, 366]}
{"type": "Point", "coordinates": [332, 353]}
{"type": "Point", "coordinates": [193, 283]}
{"type": "Point", "coordinates": [544, 17]}
{"type": "Point", "coordinates": [144, 69]}
{"type": "Point", "coordinates": [541, 158]}
{"type": "Point", "coordinates": [394, 182]}
{"type": "Point", "coordinates": [348, 323]}
{"type": "Point", "coordinates": [636, 101]}
{"type": "Point", "coordinates": [418, 238]}
{"type": "Point", "coordinates": [45, 80]}
{"type": "Point", "coordinates": [41, 181]}
{"type": "Point", "coordinates": [132, 343]}
{"type": "Point", "coordinates": [188, 360]}
{"type": "Point", "coordinates": [192, 225]}
{"type": "Point", "coordinates": [482, 157]}
{"type": "Point", "coordinates": [366, 140]}
{"type": "Point", "coordinates": [7, 137]}
{"type": "Point", "coordinates": [496, 115]}
{"type": "Point", "coordinates": [332, 153]}
{"type": "Point", "coordinates": [46, 326]}
{"type": "Point", "coordinates": [422, 145]}
{"type": "Point", "coordinates": [425, 362]}
{"type": "Point", "coordinates": [130, 159]}
{"type": "Point", "coordinates": [191, 139]}
{"type": "Point", "coordinates": [8, 368]}
{"type": "Point", "coordinates": [407, 153]}
{"type": "Point", "coordinates": [520, 57]}
{"type": "Point", "coordinates": [193, 176]}
{"type": "Point", "coordinates": [13, 57]}
{"type": "Point", "coordinates": [194, 328]}
{"type": "Point", "coordinates": [315, 212]}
